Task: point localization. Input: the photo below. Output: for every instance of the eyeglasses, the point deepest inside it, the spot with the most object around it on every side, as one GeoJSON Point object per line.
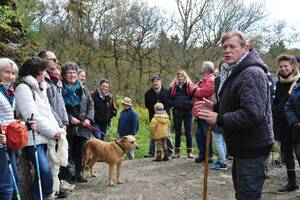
{"type": "Point", "coordinates": [54, 60]}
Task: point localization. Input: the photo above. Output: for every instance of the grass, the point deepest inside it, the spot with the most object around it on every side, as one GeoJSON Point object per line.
{"type": "Point", "coordinates": [143, 133]}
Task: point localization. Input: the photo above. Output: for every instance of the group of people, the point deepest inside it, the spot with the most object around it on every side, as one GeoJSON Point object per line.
{"type": "Point", "coordinates": [234, 99]}
{"type": "Point", "coordinates": [63, 115]}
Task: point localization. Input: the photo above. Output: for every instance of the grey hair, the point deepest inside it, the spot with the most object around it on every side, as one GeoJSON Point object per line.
{"type": "Point", "coordinates": [4, 62]}
{"type": "Point", "coordinates": [209, 66]}
{"type": "Point", "coordinates": [80, 70]}
{"type": "Point", "coordinates": [69, 66]}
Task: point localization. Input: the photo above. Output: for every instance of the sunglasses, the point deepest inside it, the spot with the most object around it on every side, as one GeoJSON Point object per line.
{"type": "Point", "coordinates": [54, 60]}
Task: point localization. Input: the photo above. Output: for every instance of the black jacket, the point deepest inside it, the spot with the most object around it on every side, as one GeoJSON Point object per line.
{"type": "Point", "coordinates": [151, 98]}
{"type": "Point", "coordinates": [244, 109]}
{"type": "Point", "coordinates": [281, 127]}
{"type": "Point", "coordinates": [104, 108]}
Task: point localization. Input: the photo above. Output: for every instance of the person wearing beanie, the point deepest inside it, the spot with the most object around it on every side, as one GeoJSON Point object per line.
{"type": "Point", "coordinates": [157, 93]}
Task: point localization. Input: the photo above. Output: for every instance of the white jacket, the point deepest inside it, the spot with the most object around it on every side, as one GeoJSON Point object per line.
{"type": "Point", "coordinates": [38, 104]}
{"type": "Point", "coordinates": [6, 110]}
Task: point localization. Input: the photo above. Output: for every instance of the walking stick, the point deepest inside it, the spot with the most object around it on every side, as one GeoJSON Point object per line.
{"type": "Point", "coordinates": [37, 161]}
{"type": "Point", "coordinates": [204, 197]}
{"type": "Point", "coordinates": [10, 168]}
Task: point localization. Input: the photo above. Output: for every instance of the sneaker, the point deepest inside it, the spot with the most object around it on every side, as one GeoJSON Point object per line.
{"type": "Point", "coordinates": [219, 166]}
{"type": "Point", "coordinates": [65, 185]}
{"type": "Point", "coordinates": [210, 160]}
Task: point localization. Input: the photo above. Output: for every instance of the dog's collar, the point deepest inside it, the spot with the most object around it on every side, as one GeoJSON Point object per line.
{"type": "Point", "coordinates": [120, 146]}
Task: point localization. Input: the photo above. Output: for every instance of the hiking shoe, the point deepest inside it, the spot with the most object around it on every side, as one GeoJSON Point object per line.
{"type": "Point", "coordinates": [62, 194]}
{"type": "Point", "coordinates": [219, 166]}
{"type": "Point", "coordinates": [199, 160]}
{"type": "Point", "coordinates": [81, 179]}
{"type": "Point", "coordinates": [149, 156]}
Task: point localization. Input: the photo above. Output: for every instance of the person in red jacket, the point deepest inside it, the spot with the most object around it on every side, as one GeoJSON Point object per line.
{"type": "Point", "coordinates": [204, 89]}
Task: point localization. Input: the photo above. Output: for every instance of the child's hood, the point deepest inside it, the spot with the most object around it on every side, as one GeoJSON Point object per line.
{"type": "Point", "coordinates": [162, 118]}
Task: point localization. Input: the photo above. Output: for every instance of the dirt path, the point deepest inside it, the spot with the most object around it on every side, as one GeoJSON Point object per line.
{"type": "Point", "coordinates": [176, 179]}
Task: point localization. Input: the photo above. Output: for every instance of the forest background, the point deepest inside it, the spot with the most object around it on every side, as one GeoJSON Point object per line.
{"type": "Point", "coordinates": [129, 41]}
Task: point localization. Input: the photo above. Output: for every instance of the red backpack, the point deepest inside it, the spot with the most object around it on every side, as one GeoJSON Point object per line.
{"type": "Point", "coordinates": [16, 135]}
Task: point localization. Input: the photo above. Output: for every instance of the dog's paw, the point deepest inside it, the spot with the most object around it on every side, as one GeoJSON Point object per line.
{"type": "Point", "coordinates": [111, 184]}
{"type": "Point", "coordinates": [120, 182]}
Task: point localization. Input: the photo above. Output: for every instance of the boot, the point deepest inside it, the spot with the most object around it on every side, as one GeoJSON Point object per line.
{"type": "Point", "coordinates": [189, 153]}
{"type": "Point", "coordinates": [166, 156]}
{"type": "Point", "coordinates": [292, 185]}
{"type": "Point", "coordinates": [177, 153]}
{"type": "Point", "coordinates": [158, 156]}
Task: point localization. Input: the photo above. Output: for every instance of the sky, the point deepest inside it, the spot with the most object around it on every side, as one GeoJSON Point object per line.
{"type": "Point", "coordinates": [286, 10]}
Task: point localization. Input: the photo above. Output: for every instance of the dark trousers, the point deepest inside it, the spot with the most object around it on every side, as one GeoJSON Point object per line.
{"type": "Point", "coordinates": [102, 128]}
{"type": "Point", "coordinates": [248, 177]}
{"type": "Point", "coordinates": [289, 146]}
{"type": "Point", "coordinates": [76, 146]}
{"type": "Point", "coordinates": [186, 119]}
{"type": "Point", "coordinates": [201, 135]}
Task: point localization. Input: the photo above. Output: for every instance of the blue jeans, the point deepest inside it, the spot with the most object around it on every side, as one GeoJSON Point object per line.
{"type": "Point", "coordinates": [45, 171]}
{"type": "Point", "coordinates": [248, 177]}
{"type": "Point", "coordinates": [169, 144]}
{"type": "Point", "coordinates": [102, 128]}
{"type": "Point", "coordinates": [201, 135]}
{"type": "Point", "coordinates": [6, 181]}
{"type": "Point", "coordinates": [221, 147]}
{"type": "Point", "coordinates": [186, 118]}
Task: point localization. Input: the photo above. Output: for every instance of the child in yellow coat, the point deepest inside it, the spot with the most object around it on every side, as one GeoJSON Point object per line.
{"type": "Point", "coordinates": [159, 129]}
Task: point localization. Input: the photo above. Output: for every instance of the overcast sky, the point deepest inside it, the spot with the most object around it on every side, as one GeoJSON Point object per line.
{"type": "Point", "coordinates": [286, 10]}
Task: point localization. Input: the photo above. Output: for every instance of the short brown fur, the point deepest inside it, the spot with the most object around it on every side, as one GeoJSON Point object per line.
{"type": "Point", "coordinates": [109, 152]}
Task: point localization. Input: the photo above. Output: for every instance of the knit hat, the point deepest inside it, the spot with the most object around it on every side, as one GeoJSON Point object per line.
{"type": "Point", "coordinates": [127, 101]}
{"type": "Point", "coordinates": [156, 77]}
{"type": "Point", "coordinates": [158, 106]}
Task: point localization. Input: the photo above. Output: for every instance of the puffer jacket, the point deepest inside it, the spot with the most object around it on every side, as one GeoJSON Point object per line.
{"type": "Point", "coordinates": [204, 88]}
{"type": "Point", "coordinates": [244, 109]}
{"type": "Point", "coordinates": [292, 106]}
{"type": "Point", "coordinates": [159, 126]}
{"type": "Point", "coordinates": [32, 98]}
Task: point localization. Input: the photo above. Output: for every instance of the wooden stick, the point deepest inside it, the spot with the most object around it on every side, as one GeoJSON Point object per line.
{"type": "Point", "coordinates": [209, 130]}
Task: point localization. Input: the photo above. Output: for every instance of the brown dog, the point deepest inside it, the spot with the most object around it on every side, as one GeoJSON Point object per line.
{"type": "Point", "coordinates": [110, 152]}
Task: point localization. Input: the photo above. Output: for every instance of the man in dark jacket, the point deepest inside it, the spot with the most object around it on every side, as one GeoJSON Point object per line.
{"type": "Point", "coordinates": [157, 93]}
{"type": "Point", "coordinates": [243, 110]}
{"type": "Point", "coordinates": [105, 108]}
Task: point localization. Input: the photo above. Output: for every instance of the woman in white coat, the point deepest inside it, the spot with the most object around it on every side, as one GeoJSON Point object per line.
{"type": "Point", "coordinates": [31, 98]}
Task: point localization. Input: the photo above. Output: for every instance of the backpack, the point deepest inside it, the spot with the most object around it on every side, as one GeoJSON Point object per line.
{"type": "Point", "coordinates": [16, 135]}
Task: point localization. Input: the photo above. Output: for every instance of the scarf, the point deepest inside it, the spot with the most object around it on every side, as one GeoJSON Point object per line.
{"type": "Point", "coordinates": [72, 95]}
{"type": "Point", "coordinates": [102, 95]}
{"type": "Point", "coordinates": [9, 92]}
{"type": "Point", "coordinates": [226, 70]}
{"type": "Point", "coordinates": [291, 79]}
{"type": "Point", "coordinates": [54, 77]}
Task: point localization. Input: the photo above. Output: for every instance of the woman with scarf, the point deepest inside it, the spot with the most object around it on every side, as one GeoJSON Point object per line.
{"type": "Point", "coordinates": [80, 109]}
{"type": "Point", "coordinates": [288, 74]}
{"type": "Point", "coordinates": [8, 73]}
{"type": "Point", "coordinates": [105, 108]}
{"type": "Point", "coordinates": [181, 100]}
